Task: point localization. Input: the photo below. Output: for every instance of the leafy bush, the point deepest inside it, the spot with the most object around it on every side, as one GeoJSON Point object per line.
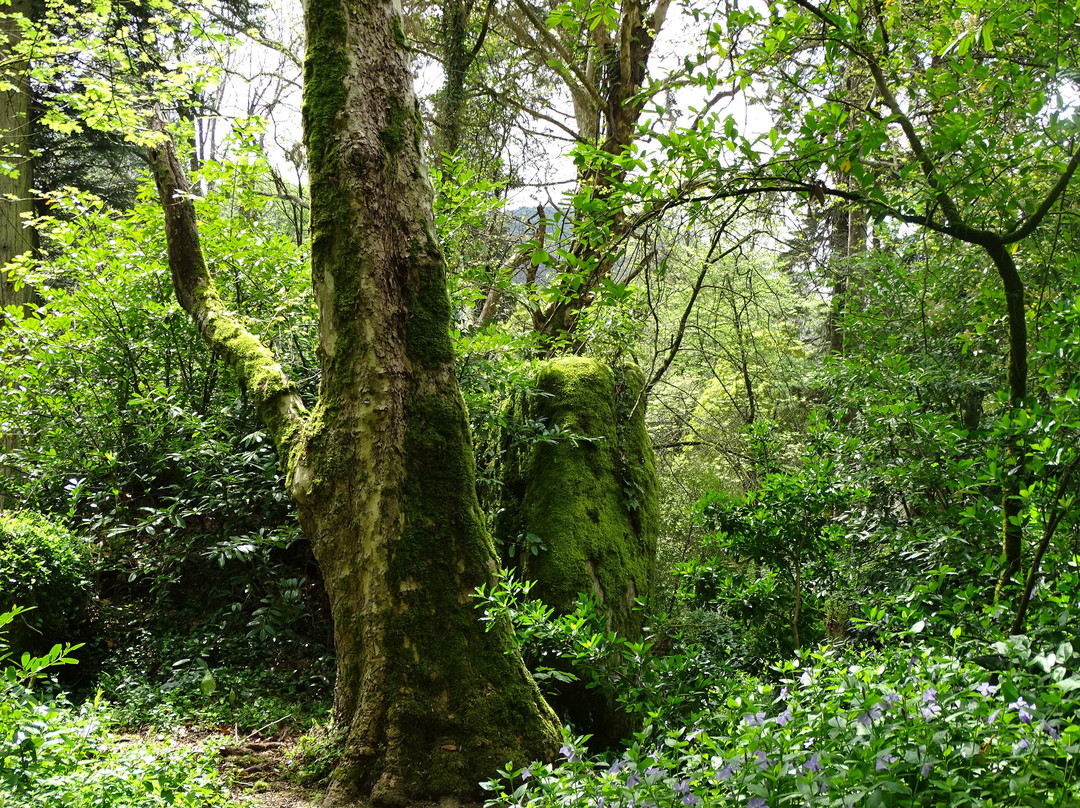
{"type": "Point", "coordinates": [46, 568]}
{"type": "Point", "coordinates": [646, 678]}
{"type": "Point", "coordinates": [52, 753]}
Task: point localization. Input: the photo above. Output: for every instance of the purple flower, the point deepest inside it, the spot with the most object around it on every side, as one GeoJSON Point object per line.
{"type": "Point", "coordinates": [632, 780]}
{"type": "Point", "coordinates": [757, 802]}
{"type": "Point", "coordinates": [783, 718]}
{"type": "Point", "coordinates": [763, 760]}
{"type": "Point", "coordinates": [884, 762]}
{"type": "Point", "coordinates": [1051, 730]}
{"type": "Point", "coordinates": [1020, 746]}
{"type": "Point", "coordinates": [653, 771]}
{"type": "Point", "coordinates": [783, 692]}
{"type": "Point", "coordinates": [891, 699]}
{"type": "Point", "coordinates": [930, 695]}
{"type": "Point", "coordinates": [1022, 711]}
{"type": "Point", "coordinates": [754, 719]}
{"type": "Point", "coordinates": [986, 689]}
{"type": "Point", "coordinates": [813, 764]}
{"type": "Point", "coordinates": [930, 710]}
{"type": "Point", "coordinates": [926, 769]}
{"type": "Point", "coordinates": [617, 766]}
{"type": "Point", "coordinates": [526, 773]}
{"type": "Point", "coordinates": [691, 800]}
{"type": "Point", "coordinates": [726, 771]}
{"type": "Point", "coordinates": [598, 804]}
{"type": "Point", "coordinates": [682, 787]}
{"type": "Point", "coordinates": [993, 717]}
{"type": "Point", "coordinates": [568, 752]}
{"type": "Point", "coordinates": [868, 718]}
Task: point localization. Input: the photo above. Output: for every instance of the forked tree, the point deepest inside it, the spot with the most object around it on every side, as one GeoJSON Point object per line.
{"type": "Point", "coordinates": [381, 467]}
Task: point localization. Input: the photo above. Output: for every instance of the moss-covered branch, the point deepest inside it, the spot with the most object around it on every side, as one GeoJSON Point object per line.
{"type": "Point", "coordinates": [275, 396]}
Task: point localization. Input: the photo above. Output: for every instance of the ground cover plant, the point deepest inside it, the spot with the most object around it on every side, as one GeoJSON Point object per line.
{"type": "Point", "coordinates": [56, 753]}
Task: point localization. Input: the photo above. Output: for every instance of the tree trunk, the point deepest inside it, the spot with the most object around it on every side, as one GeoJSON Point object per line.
{"type": "Point", "coordinates": [381, 468]}
{"type": "Point", "coordinates": [15, 145]}
{"type": "Point", "coordinates": [1012, 516]}
{"type": "Point", "coordinates": [590, 497]}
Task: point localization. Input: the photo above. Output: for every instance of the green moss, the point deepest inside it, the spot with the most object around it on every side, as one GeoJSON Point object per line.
{"type": "Point", "coordinates": [393, 136]}
{"type": "Point", "coordinates": [325, 70]}
{"type": "Point", "coordinates": [399, 35]}
{"type": "Point", "coordinates": [593, 502]}
{"type": "Point", "coordinates": [427, 337]}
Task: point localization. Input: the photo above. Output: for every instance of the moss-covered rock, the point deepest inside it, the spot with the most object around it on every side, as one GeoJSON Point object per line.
{"type": "Point", "coordinates": [43, 566]}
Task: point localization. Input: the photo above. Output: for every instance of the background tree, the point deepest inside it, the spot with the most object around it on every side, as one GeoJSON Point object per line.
{"type": "Point", "coordinates": [16, 145]}
{"type": "Point", "coordinates": [974, 143]}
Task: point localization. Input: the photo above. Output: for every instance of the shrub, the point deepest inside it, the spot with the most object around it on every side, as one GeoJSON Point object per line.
{"type": "Point", "coordinates": [46, 568]}
{"type": "Point", "coordinates": [914, 724]}
{"type": "Point", "coordinates": [54, 754]}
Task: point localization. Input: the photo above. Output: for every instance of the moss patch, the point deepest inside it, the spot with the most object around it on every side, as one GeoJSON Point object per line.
{"type": "Point", "coordinates": [393, 136]}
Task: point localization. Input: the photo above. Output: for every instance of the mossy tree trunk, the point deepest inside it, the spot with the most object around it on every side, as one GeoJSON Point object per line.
{"type": "Point", "coordinates": [381, 467]}
{"type": "Point", "coordinates": [588, 492]}
{"type": "Point", "coordinates": [15, 146]}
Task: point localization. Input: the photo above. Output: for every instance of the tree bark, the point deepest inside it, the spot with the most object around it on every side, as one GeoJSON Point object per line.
{"type": "Point", "coordinates": [381, 469]}
{"type": "Point", "coordinates": [15, 146]}
{"type": "Point", "coordinates": [608, 96]}
{"type": "Point", "coordinates": [1013, 521]}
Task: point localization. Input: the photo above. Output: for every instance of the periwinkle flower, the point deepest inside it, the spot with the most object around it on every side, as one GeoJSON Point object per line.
{"type": "Point", "coordinates": [763, 760]}
{"type": "Point", "coordinates": [1020, 746]}
{"type": "Point", "coordinates": [526, 773]}
{"type": "Point", "coordinates": [690, 800]}
{"type": "Point", "coordinates": [869, 717]}
{"type": "Point", "coordinates": [930, 695]}
{"type": "Point", "coordinates": [926, 769]}
{"type": "Point", "coordinates": [985, 689]}
{"type": "Point", "coordinates": [891, 699]}
{"type": "Point", "coordinates": [813, 764]}
{"type": "Point", "coordinates": [632, 780]}
{"type": "Point", "coordinates": [1051, 730]}
{"type": "Point", "coordinates": [1022, 710]}
{"type": "Point", "coordinates": [757, 802]}
{"type": "Point", "coordinates": [930, 710]}
{"type": "Point", "coordinates": [884, 762]}
{"type": "Point", "coordinates": [568, 752]}
{"type": "Point", "coordinates": [726, 771]}
{"type": "Point", "coordinates": [653, 771]}
{"type": "Point", "coordinates": [783, 692]}
{"type": "Point", "coordinates": [754, 719]}
{"type": "Point", "coordinates": [682, 787]}
{"type": "Point", "coordinates": [783, 719]}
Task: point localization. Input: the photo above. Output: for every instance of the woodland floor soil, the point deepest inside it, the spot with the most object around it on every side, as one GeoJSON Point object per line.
{"type": "Point", "coordinates": [256, 769]}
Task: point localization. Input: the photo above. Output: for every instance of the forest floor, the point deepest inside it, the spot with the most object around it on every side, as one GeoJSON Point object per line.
{"type": "Point", "coordinates": [259, 771]}
{"type": "Point", "coordinates": [255, 769]}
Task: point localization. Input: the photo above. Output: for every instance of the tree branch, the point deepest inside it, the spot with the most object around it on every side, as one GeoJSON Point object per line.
{"type": "Point", "coordinates": [1028, 227]}
{"type": "Point", "coordinates": [274, 395]}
